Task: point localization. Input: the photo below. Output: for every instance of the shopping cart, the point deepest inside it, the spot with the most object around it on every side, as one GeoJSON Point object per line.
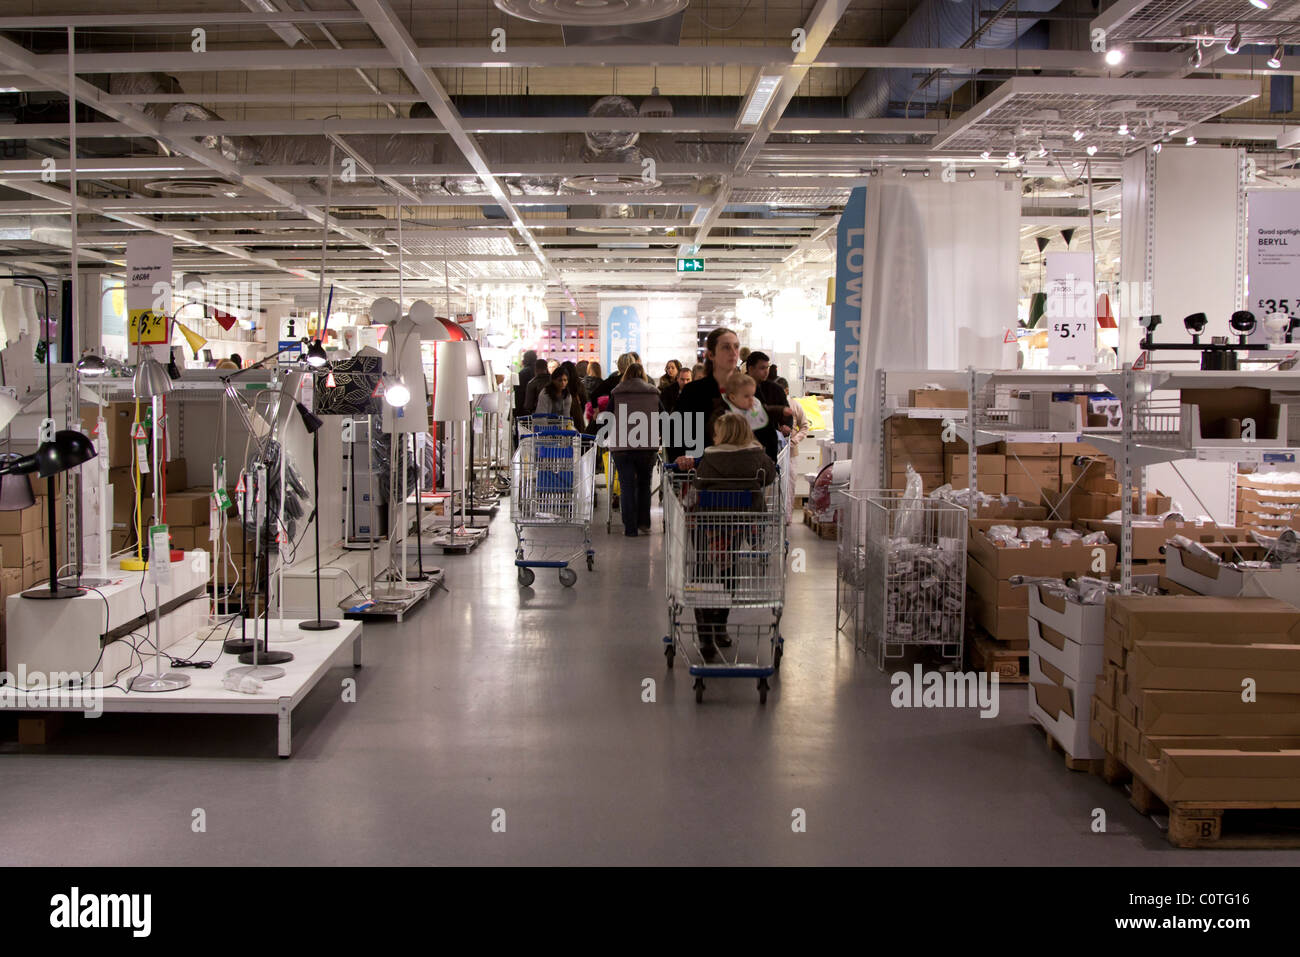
{"type": "Point", "coordinates": [529, 424]}
{"type": "Point", "coordinates": [725, 547]}
{"type": "Point", "coordinates": [553, 475]}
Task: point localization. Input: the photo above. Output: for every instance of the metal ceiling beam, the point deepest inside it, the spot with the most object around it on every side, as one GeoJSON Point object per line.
{"type": "Point", "coordinates": [18, 58]}
{"type": "Point", "coordinates": [400, 45]}
{"type": "Point", "coordinates": [186, 21]}
{"type": "Point", "coordinates": [649, 55]}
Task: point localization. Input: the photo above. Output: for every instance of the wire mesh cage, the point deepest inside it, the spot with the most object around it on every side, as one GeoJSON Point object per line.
{"type": "Point", "coordinates": [553, 478]}
{"type": "Point", "coordinates": [914, 574]}
{"type": "Point", "coordinates": [851, 566]}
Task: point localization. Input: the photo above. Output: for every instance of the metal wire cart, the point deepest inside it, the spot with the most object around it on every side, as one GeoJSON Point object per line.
{"type": "Point", "coordinates": [901, 575]}
{"type": "Point", "coordinates": [725, 548]}
{"type": "Point", "coordinates": [553, 475]}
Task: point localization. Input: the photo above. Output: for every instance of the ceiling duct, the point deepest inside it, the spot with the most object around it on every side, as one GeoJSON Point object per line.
{"type": "Point", "coordinates": [612, 213]}
{"type": "Point", "coordinates": [592, 13]}
{"type": "Point", "coordinates": [607, 140]}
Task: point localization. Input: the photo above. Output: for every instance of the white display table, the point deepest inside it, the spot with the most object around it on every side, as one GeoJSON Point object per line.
{"type": "Point", "coordinates": [314, 654]}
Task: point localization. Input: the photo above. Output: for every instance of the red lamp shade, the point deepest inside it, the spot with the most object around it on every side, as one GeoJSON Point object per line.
{"type": "Point", "coordinates": [1105, 319]}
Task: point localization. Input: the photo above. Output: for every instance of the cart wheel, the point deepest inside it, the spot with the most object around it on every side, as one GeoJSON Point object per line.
{"type": "Point", "coordinates": [670, 653]}
{"type": "Point", "coordinates": [568, 577]}
{"type": "Point", "coordinates": [526, 577]}
{"type": "Point", "coordinates": [591, 562]}
{"type": "Point", "coordinates": [762, 691]}
{"type": "Point", "coordinates": [699, 690]}
{"type": "Point", "coordinates": [776, 657]}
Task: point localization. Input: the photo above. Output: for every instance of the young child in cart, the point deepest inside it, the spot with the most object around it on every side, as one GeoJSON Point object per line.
{"type": "Point", "coordinates": [735, 462]}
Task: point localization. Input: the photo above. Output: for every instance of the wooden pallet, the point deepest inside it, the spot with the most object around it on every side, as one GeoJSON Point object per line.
{"type": "Point", "coordinates": [1258, 825]}
{"type": "Point", "coordinates": [1010, 664]}
{"type": "Point", "coordinates": [1091, 765]}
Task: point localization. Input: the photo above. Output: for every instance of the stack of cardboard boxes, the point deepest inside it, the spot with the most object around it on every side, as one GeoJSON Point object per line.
{"type": "Point", "coordinates": [998, 611]}
{"type": "Point", "coordinates": [1066, 655]}
{"type": "Point", "coordinates": [1090, 488]}
{"type": "Point", "coordinates": [990, 472]}
{"type": "Point", "coordinates": [1032, 468]}
{"type": "Point", "coordinates": [1150, 537]}
{"type": "Point", "coordinates": [914, 442]}
{"type": "Point", "coordinates": [1267, 503]}
{"type": "Point", "coordinates": [1200, 697]}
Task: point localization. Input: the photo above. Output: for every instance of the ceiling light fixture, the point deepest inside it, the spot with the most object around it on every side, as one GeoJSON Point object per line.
{"type": "Point", "coordinates": [764, 89]}
{"type": "Point", "coordinates": [1156, 147]}
{"type": "Point", "coordinates": [1197, 58]}
{"type": "Point", "coordinates": [1092, 150]}
{"type": "Point", "coordinates": [1115, 55]}
{"type": "Point", "coordinates": [1123, 129]}
{"type": "Point", "coordinates": [1262, 4]}
{"type": "Point", "coordinates": [1275, 61]}
{"type": "Point", "coordinates": [1191, 141]}
{"type": "Point", "coordinates": [1233, 45]}
{"type": "Point", "coordinates": [1078, 135]}
{"type": "Point", "coordinates": [985, 155]}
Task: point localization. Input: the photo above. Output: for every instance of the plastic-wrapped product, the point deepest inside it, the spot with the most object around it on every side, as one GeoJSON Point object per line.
{"type": "Point", "coordinates": [1096, 538]}
{"type": "Point", "coordinates": [1034, 533]}
{"type": "Point", "coordinates": [1194, 548]}
{"type": "Point", "coordinates": [1066, 536]}
{"type": "Point", "coordinates": [1175, 515]}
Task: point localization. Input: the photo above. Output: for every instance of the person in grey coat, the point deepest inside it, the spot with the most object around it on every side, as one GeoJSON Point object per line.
{"type": "Point", "coordinates": [633, 400]}
{"type": "Point", "coordinates": [735, 462]}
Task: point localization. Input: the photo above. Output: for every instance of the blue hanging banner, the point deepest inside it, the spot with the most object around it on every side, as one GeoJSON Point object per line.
{"type": "Point", "coordinates": [847, 311]}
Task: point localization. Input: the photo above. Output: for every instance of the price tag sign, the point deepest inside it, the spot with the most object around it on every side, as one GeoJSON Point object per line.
{"type": "Point", "coordinates": [148, 288]}
{"type": "Point", "coordinates": [1273, 235]}
{"type": "Point", "coordinates": [160, 555]}
{"type": "Point", "coordinates": [1071, 313]}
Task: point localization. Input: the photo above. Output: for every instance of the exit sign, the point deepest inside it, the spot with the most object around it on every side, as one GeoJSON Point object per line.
{"type": "Point", "coordinates": [690, 265]}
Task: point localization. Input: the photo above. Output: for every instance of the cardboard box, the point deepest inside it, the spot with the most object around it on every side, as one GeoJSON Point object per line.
{"type": "Point", "coordinates": [11, 581]}
{"type": "Point", "coordinates": [938, 398]}
{"type": "Point", "coordinates": [1236, 621]}
{"type": "Point", "coordinates": [119, 417]}
{"type": "Point", "coordinates": [1217, 712]}
{"type": "Point", "coordinates": [1036, 467]}
{"type": "Point", "coordinates": [39, 572]}
{"type": "Point", "coordinates": [1128, 739]}
{"type": "Point", "coordinates": [897, 425]}
{"type": "Point", "coordinates": [990, 464]}
{"type": "Point", "coordinates": [1173, 588]}
{"type": "Point", "coordinates": [1105, 686]}
{"type": "Point", "coordinates": [1206, 577]}
{"type": "Point", "coordinates": [1149, 537]}
{"type": "Point", "coordinates": [995, 591]}
{"type": "Point", "coordinates": [1039, 558]}
{"type": "Point", "coordinates": [1007, 624]}
{"type": "Point", "coordinates": [1081, 662]}
{"type": "Point", "coordinates": [930, 463]}
{"type": "Point", "coordinates": [1209, 666]}
{"type": "Point", "coordinates": [1078, 448]}
{"type": "Point", "coordinates": [1220, 412]}
{"type": "Point", "coordinates": [988, 484]}
{"type": "Point", "coordinates": [183, 538]}
{"type": "Point", "coordinates": [909, 445]}
{"type": "Point", "coordinates": [1016, 512]}
{"type": "Point", "coordinates": [25, 549]}
{"type": "Point", "coordinates": [1030, 489]}
{"type": "Point", "coordinates": [1151, 746]}
{"type": "Point", "coordinates": [1085, 624]}
{"type": "Point", "coordinates": [30, 519]}
{"type": "Point", "coordinates": [1214, 773]}
{"type": "Point", "coordinates": [1031, 450]}
{"type": "Point", "coordinates": [1104, 725]}
{"type": "Point", "coordinates": [929, 480]}
{"type": "Point", "coordinates": [1063, 707]}
{"type": "Point", "coordinates": [188, 508]}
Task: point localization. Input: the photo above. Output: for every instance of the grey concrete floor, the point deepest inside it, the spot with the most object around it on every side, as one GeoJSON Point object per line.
{"type": "Point", "coordinates": [530, 701]}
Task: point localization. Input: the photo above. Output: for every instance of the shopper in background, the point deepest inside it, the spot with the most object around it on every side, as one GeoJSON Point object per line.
{"type": "Point", "coordinates": [577, 395]}
{"type": "Point", "coordinates": [744, 353]}
{"type": "Point", "coordinates": [671, 368]}
{"type": "Point", "coordinates": [607, 386]}
{"type": "Point", "coordinates": [669, 391]}
{"type": "Point", "coordinates": [760, 370]}
{"type": "Point", "coordinates": [554, 398]}
{"type": "Point", "coordinates": [552, 365]}
{"type": "Point", "coordinates": [800, 417]}
{"type": "Point", "coordinates": [635, 398]}
{"type": "Point", "coordinates": [592, 378]}
{"type": "Point", "coordinates": [541, 378]}
{"type": "Point", "coordinates": [734, 462]}
{"type": "Point", "coordinates": [226, 365]}
{"type": "Point", "coordinates": [237, 359]}
{"type": "Point", "coordinates": [703, 397]}
{"type": "Point", "coordinates": [697, 371]}
{"type": "Point", "coordinates": [582, 370]}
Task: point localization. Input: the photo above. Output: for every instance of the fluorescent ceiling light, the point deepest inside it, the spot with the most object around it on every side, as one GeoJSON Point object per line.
{"type": "Point", "coordinates": [1262, 4]}
{"type": "Point", "coordinates": [764, 89]}
{"type": "Point", "coordinates": [1115, 55]}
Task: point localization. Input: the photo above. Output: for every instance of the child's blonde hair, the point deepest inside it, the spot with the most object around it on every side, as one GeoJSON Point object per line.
{"type": "Point", "coordinates": [738, 380]}
{"type": "Point", "coordinates": [732, 429]}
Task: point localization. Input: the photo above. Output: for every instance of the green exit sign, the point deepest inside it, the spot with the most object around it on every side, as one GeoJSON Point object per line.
{"type": "Point", "coordinates": [690, 265]}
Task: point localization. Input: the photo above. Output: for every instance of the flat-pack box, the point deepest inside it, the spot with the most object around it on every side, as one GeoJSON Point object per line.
{"type": "Point", "coordinates": [985, 464]}
{"type": "Point", "coordinates": [1080, 662]}
{"type": "Point", "coordinates": [1016, 511]}
{"type": "Point", "coordinates": [995, 591]}
{"type": "Point", "coordinates": [1213, 773]}
{"type": "Point", "coordinates": [1029, 489]}
{"type": "Point", "coordinates": [938, 398]}
{"type": "Point", "coordinates": [25, 549]}
{"type": "Point", "coordinates": [897, 425]}
{"type": "Point", "coordinates": [188, 508]}
{"type": "Point", "coordinates": [1063, 707]}
{"type": "Point", "coordinates": [988, 484]}
{"type": "Point", "coordinates": [1207, 577]}
{"type": "Point", "coordinates": [1047, 558]}
{"type": "Point", "coordinates": [1043, 469]}
{"type": "Point", "coordinates": [30, 519]}
{"type": "Point", "coordinates": [183, 537]}
{"type": "Point", "coordinates": [1217, 712]}
{"type": "Point", "coordinates": [1023, 450]}
{"type": "Point", "coordinates": [1237, 621]}
{"type": "Point", "coordinates": [1210, 666]}
{"type": "Point", "coordinates": [1150, 536]}
{"type": "Point", "coordinates": [1150, 746]}
{"type": "Point", "coordinates": [1009, 625]}
{"type": "Point", "coordinates": [1085, 624]}
{"type": "Point", "coordinates": [1104, 724]}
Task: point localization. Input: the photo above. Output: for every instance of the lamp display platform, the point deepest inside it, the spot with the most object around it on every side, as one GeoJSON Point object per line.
{"type": "Point", "coordinates": [314, 655]}
{"type": "Point", "coordinates": [67, 636]}
{"type": "Point", "coordinates": [391, 600]}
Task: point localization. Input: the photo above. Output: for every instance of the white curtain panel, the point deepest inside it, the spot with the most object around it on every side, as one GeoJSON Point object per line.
{"type": "Point", "coordinates": [940, 287]}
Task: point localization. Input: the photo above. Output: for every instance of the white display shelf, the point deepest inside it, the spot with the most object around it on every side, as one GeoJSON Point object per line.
{"type": "Point", "coordinates": [315, 652]}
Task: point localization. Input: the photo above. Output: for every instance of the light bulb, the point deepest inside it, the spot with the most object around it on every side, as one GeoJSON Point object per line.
{"type": "Point", "coordinates": [1123, 129]}
{"type": "Point", "coordinates": [397, 394]}
{"type": "Point", "coordinates": [1078, 135]}
{"type": "Point", "coordinates": [1092, 150]}
{"type": "Point", "coordinates": [1191, 141]}
{"type": "Point", "coordinates": [1115, 55]}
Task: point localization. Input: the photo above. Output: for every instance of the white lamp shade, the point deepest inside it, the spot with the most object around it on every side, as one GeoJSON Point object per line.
{"type": "Point", "coordinates": [383, 311]}
{"type": "Point", "coordinates": [451, 388]}
{"type": "Point", "coordinates": [30, 316]}
{"type": "Point", "coordinates": [10, 311]}
{"type": "Point", "coordinates": [483, 385]}
{"type": "Point", "coordinates": [9, 408]}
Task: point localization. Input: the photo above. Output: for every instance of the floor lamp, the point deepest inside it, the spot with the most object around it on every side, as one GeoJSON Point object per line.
{"type": "Point", "coordinates": [313, 425]}
{"type": "Point", "coordinates": [451, 405]}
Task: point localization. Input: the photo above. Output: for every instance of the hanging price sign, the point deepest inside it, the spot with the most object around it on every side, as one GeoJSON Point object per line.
{"type": "Point", "coordinates": [1071, 313]}
{"type": "Point", "coordinates": [148, 288]}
